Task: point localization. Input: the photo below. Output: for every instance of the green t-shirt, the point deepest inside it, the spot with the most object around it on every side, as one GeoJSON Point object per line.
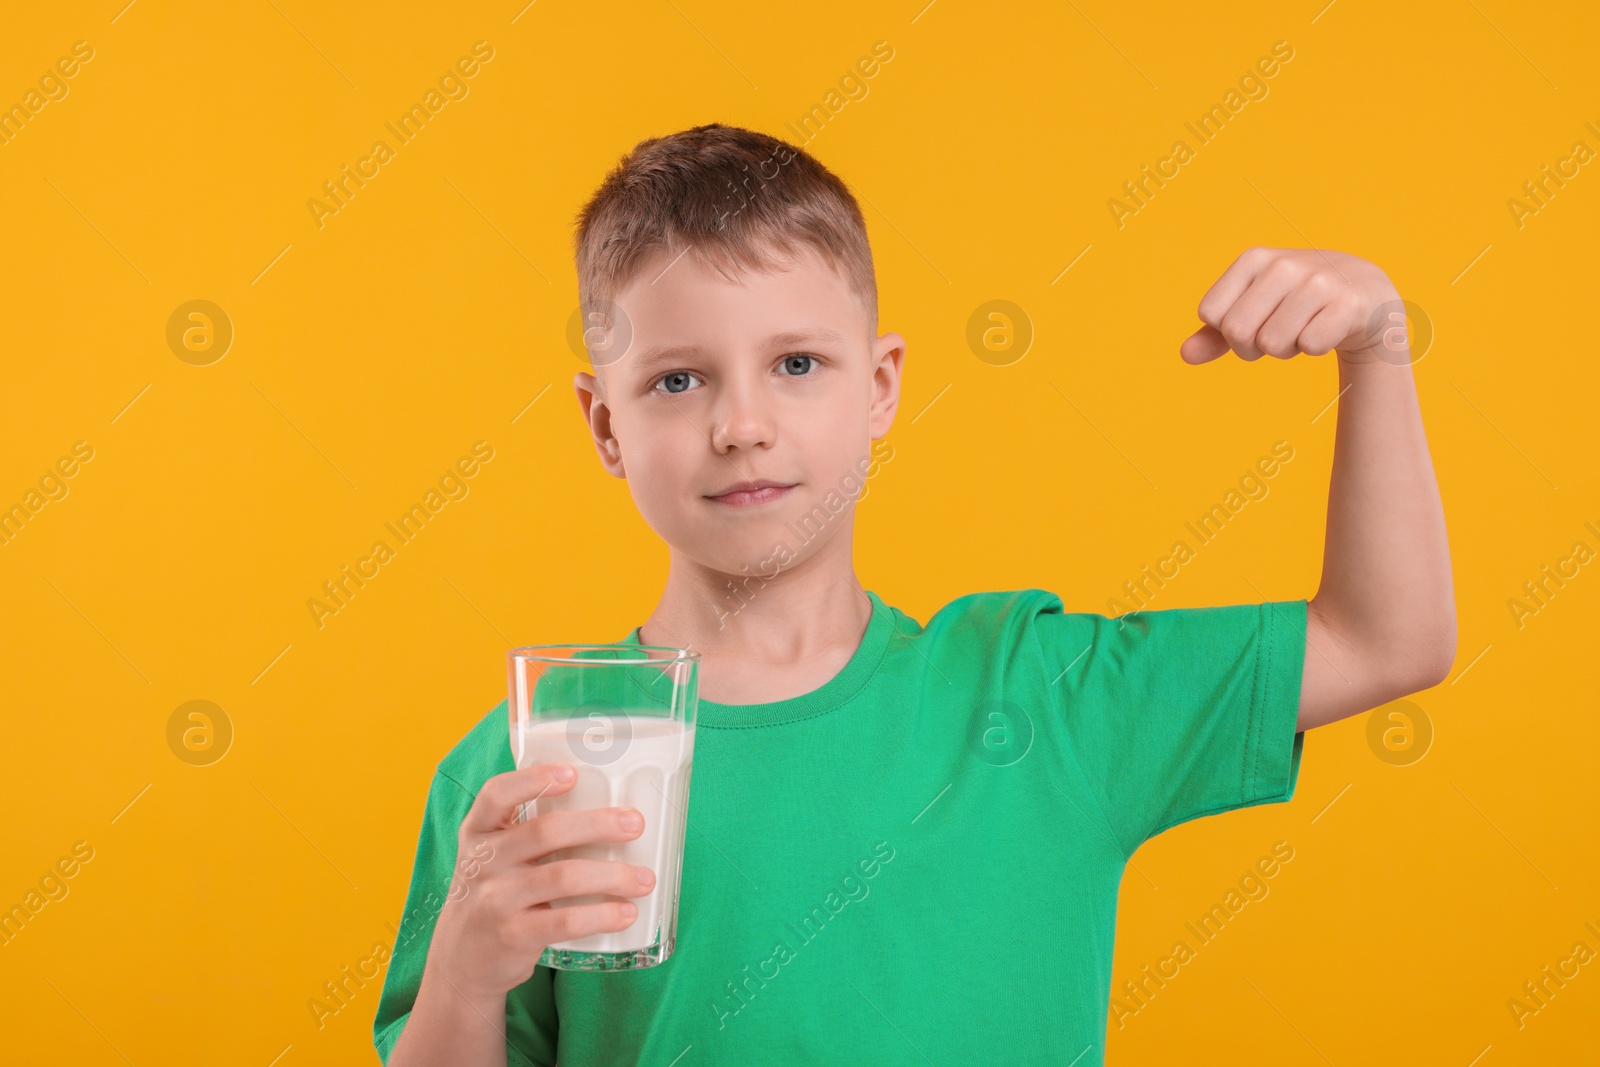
{"type": "Point", "coordinates": [917, 862]}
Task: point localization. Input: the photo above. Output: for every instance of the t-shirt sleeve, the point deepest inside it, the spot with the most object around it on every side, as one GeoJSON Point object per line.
{"type": "Point", "coordinates": [530, 1008]}
{"type": "Point", "coordinates": [1179, 713]}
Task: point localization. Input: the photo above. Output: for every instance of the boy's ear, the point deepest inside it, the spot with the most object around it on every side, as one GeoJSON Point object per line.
{"type": "Point", "coordinates": [888, 356]}
{"type": "Point", "coordinates": [597, 416]}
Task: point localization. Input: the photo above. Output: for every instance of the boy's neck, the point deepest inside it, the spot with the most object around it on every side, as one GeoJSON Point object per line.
{"type": "Point", "coordinates": [809, 618]}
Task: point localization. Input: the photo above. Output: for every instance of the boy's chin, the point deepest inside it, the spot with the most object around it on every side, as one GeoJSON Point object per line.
{"type": "Point", "coordinates": [762, 549]}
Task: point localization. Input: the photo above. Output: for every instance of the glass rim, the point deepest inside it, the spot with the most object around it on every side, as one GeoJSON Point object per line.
{"type": "Point", "coordinates": [528, 653]}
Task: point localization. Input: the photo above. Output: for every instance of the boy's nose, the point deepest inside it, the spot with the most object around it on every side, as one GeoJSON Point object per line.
{"type": "Point", "coordinates": [743, 419]}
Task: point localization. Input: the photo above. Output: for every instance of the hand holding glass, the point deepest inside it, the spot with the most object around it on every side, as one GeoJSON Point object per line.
{"type": "Point", "coordinates": [623, 716]}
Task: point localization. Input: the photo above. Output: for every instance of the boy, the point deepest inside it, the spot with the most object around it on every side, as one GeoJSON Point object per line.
{"type": "Point", "coordinates": [905, 841]}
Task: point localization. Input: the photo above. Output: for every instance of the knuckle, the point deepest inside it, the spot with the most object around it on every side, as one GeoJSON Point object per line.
{"type": "Point", "coordinates": [1323, 283]}
{"type": "Point", "coordinates": [1277, 340]}
{"type": "Point", "coordinates": [543, 833]}
{"type": "Point", "coordinates": [560, 923]}
{"type": "Point", "coordinates": [565, 877]}
{"type": "Point", "coordinates": [1255, 255]}
{"type": "Point", "coordinates": [492, 790]}
{"type": "Point", "coordinates": [1285, 269]}
{"type": "Point", "coordinates": [1317, 343]}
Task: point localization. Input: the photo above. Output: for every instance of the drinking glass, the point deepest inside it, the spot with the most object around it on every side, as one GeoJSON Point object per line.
{"type": "Point", "coordinates": [623, 716]}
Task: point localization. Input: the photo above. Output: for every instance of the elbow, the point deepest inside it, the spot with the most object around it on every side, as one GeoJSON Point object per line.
{"type": "Point", "coordinates": [1445, 651]}
{"type": "Point", "coordinates": [1430, 670]}
{"type": "Point", "coordinates": [1427, 662]}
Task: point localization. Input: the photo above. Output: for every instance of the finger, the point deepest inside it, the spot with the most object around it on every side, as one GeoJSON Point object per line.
{"type": "Point", "coordinates": [556, 830]}
{"type": "Point", "coordinates": [546, 924]}
{"type": "Point", "coordinates": [1243, 321]}
{"type": "Point", "coordinates": [563, 879]}
{"type": "Point", "coordinates": [495, 806]}
{"type": "Point", "coordinates": [1325, 330]}
{"type": "Point", "coordinates": [1203, 346]}
{"type": "Point", "coordinates": [1279, 335]}
{"type": "Point", "coordinates": [1226, 290]}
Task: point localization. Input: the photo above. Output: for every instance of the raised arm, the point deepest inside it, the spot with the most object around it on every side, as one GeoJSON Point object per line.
{"type": "Point", "coordinates": [1382, 623]}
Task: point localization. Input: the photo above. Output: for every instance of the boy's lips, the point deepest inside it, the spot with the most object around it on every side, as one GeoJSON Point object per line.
{"type": "Point", "coordinates": [751, 494]}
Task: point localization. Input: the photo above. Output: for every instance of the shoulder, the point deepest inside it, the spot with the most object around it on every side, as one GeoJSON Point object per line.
{"type": "Point", "coordinates": [1000, 621]}
{"type": "Point", "coordinates": [988, 623]}
{"type": "Point", "coordinates": [994, 612]}
{"type": "Point", "coordinates": [484, 752]}
{"type": "Point", "coordinates": [1021, 608]}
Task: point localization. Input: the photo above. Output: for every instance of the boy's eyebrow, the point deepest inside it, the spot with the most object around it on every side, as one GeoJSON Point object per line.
{"type": "Point", "coordinates": [812, 335]}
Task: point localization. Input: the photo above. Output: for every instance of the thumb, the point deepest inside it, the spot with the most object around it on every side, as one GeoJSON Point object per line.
{"type": "Point", "coordinates": [1204, 345]}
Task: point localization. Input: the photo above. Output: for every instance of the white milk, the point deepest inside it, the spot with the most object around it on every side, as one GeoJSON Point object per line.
{"type": "Point", "coordinates": [650, 772]}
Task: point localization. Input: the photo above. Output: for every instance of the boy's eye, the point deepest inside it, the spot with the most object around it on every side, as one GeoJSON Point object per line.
{"type": "Point", "coordinates": [676, 383]}
{"type": "Point", "coordinates": [673, 381]}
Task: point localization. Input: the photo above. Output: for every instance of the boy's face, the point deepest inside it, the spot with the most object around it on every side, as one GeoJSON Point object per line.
{"type": "Point", "coordinates": [738, 402]}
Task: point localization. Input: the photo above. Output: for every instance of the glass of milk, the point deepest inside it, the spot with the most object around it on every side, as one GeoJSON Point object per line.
{"type": "Point", "coordinates": [623, 716]}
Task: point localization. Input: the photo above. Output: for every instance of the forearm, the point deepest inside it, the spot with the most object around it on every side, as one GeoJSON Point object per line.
{"type": "Point", "coordinates": [1386, 586]}
{"type": "Point", "coordinates": [448, 1027]}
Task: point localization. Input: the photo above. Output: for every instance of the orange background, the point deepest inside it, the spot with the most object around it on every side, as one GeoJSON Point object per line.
{"type": "Point", "coordinates": [370, 353]}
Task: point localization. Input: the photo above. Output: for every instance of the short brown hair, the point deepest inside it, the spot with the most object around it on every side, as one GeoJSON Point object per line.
{"type": "Point", "coordinates": [734, 196]}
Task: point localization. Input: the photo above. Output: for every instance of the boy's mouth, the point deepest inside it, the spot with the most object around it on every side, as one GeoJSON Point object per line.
{"type": "Point", "coordinates": [751, 494]}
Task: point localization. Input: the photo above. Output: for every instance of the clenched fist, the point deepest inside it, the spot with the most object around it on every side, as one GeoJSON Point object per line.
{"type": "Point", "coordinates": [1287, 301]}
